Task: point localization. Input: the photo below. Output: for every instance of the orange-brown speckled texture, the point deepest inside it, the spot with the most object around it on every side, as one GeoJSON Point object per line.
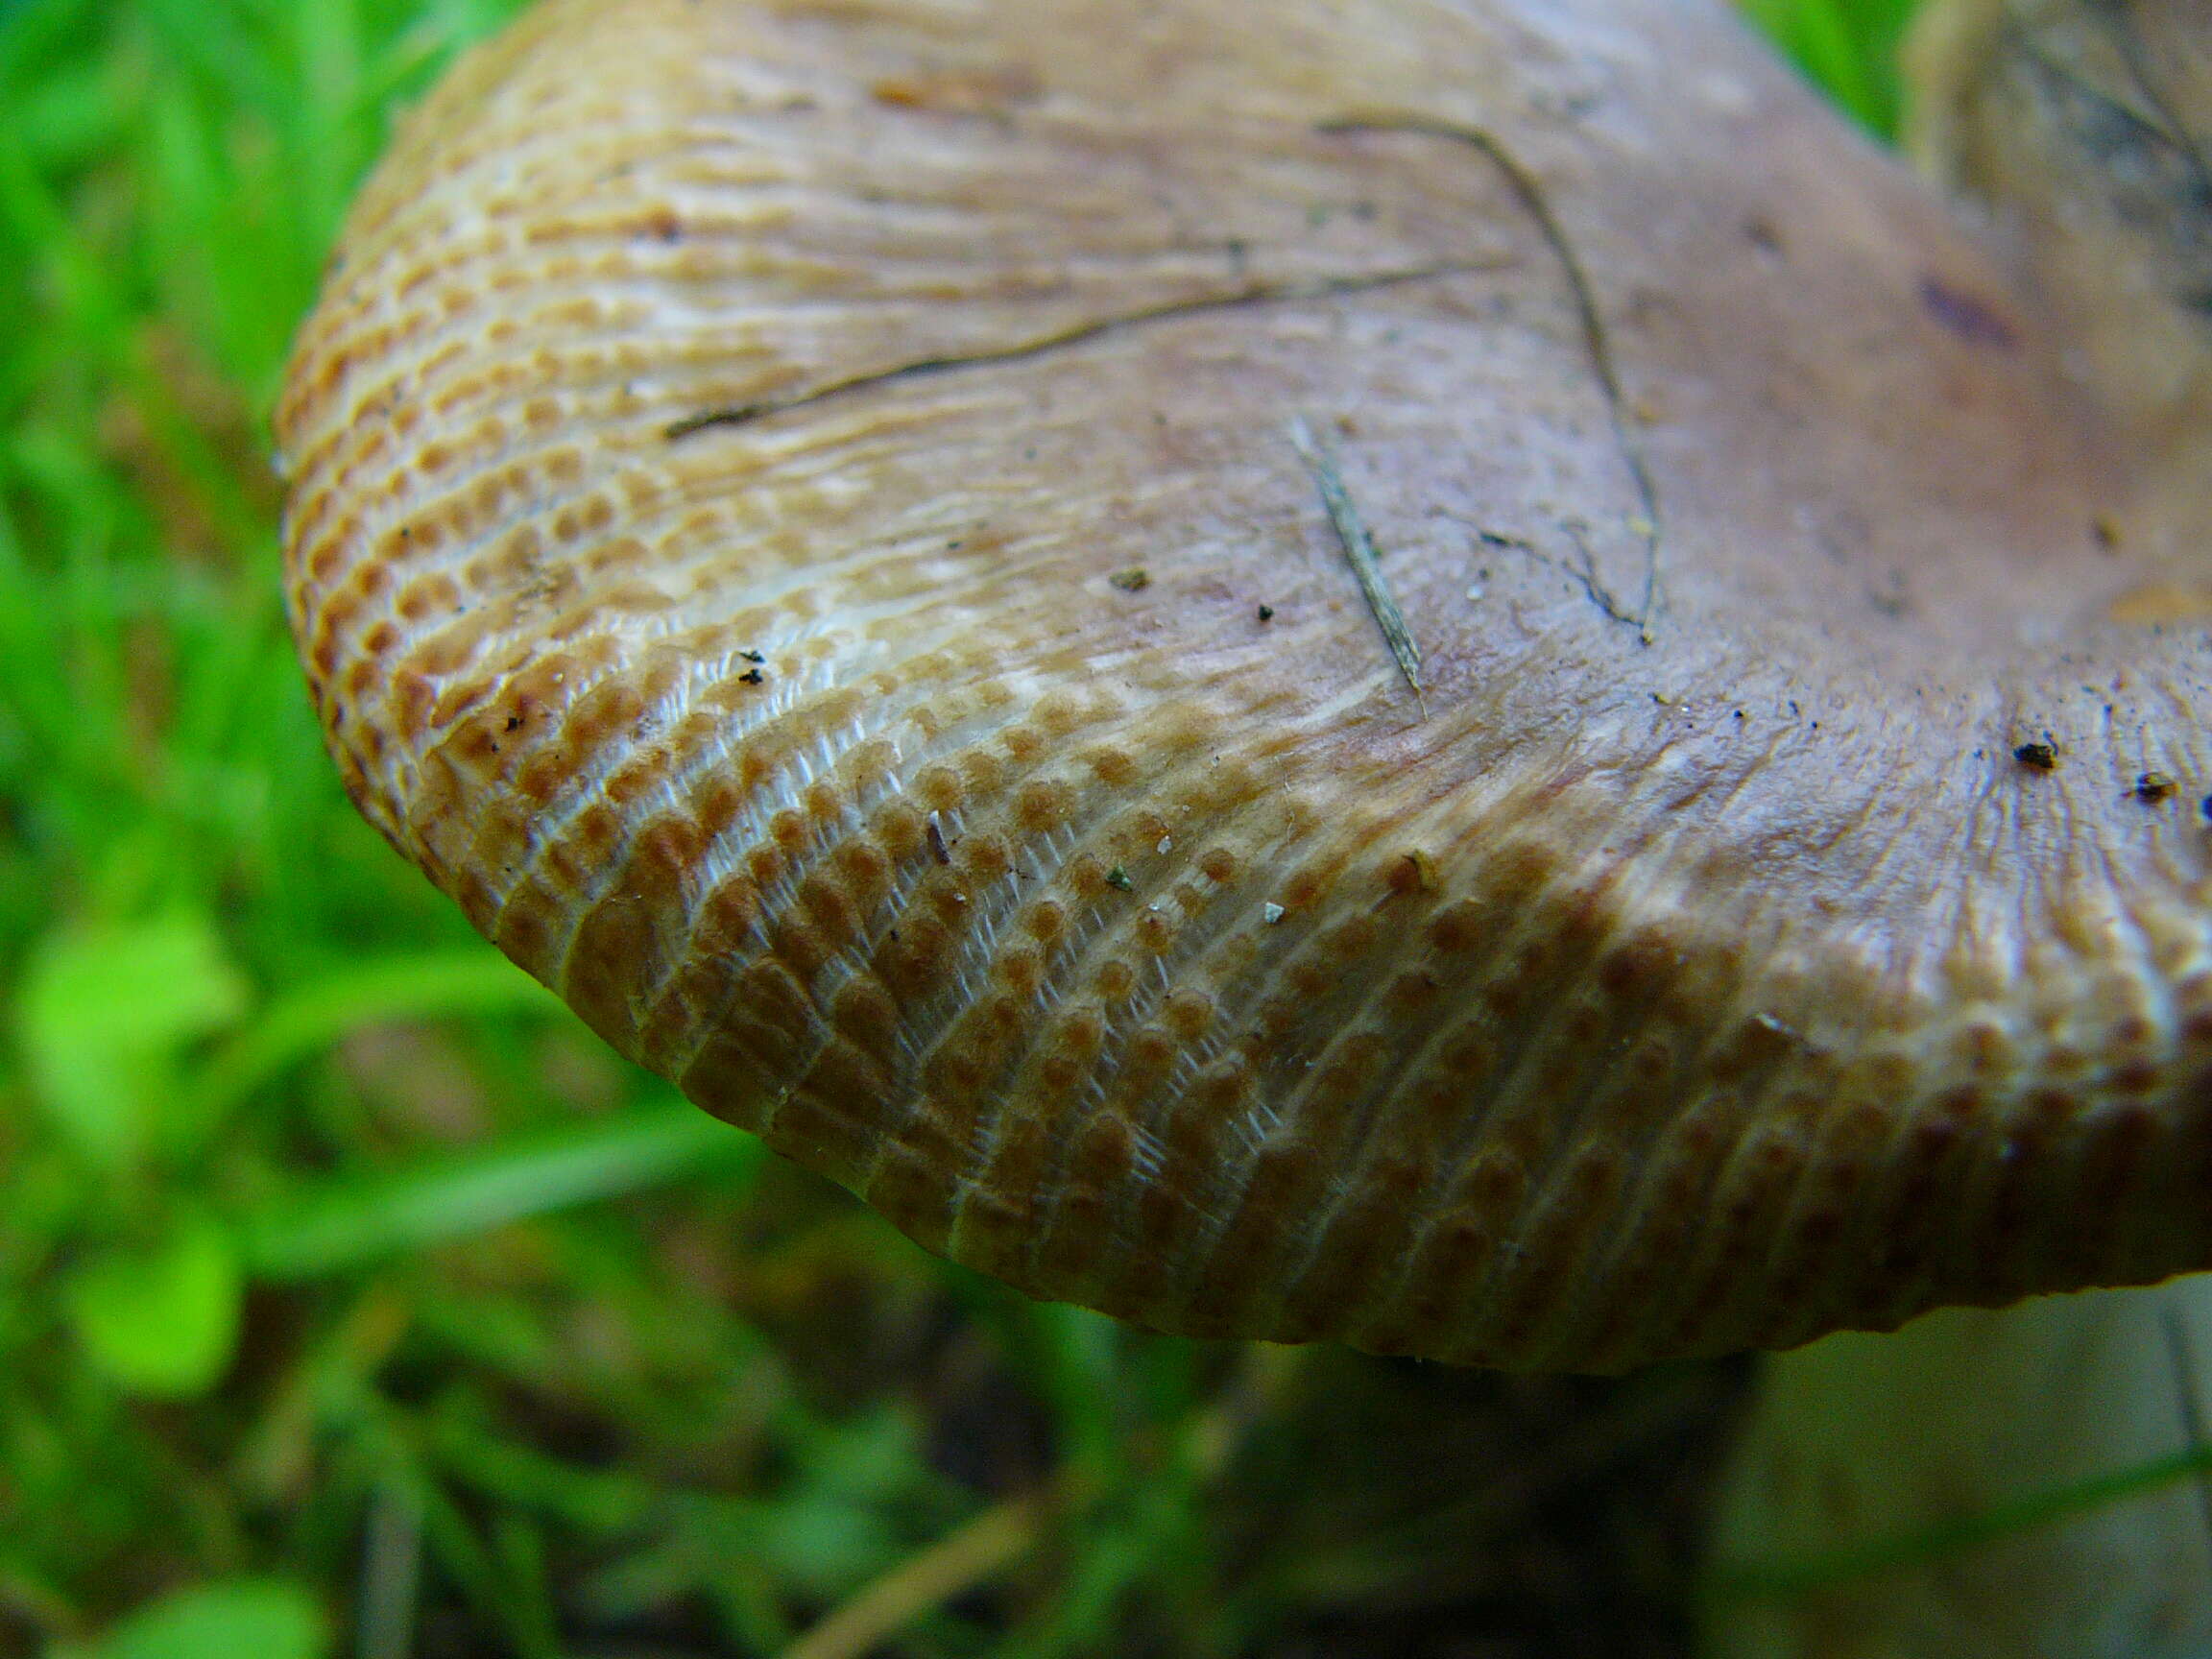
{"type": "Point", "coordinates": [900, 761]}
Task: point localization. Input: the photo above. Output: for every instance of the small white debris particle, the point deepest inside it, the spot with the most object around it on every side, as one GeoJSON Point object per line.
{"type": "Point", "coordinates": [1166, 845]}
{"type": "Point", "coordinates": [1272, 912]}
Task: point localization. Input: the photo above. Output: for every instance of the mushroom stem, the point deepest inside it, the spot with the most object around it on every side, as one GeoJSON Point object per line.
{"type": "Point", "coordinates": [1963, 1488]}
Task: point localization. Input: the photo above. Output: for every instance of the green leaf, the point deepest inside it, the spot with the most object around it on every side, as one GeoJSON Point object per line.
{"type": "Point", "coordinates": [238, 1618]}
{"type": "Point", "coordinates": [161, 1319]}
{"type": "Point", "coordinates": [350, 1221]}
{"type": "Point", "coordinates": [101, 1016]}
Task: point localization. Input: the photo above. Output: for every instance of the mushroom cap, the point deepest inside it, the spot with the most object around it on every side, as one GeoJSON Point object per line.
{"type": "Point", "coordinates": [812, 521]}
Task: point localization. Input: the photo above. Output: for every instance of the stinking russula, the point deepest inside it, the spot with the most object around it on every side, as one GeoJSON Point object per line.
{"type": "Point", "coordinates": [781, 498]}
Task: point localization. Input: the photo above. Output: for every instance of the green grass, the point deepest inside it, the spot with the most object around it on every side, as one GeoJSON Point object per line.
{"type": "Point", "coordinates": [350, 1293]}
{"type": "Point", "coordinates": [1847, 47]}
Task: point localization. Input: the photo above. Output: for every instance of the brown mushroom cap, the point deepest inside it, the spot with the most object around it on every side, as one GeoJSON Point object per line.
{"type": "Point", "coordinates": [798, 527]}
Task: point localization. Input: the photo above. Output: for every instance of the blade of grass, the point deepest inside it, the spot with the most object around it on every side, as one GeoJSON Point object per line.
{"type": "Point", "coordinates": [987, 1546]}
{"type": "Point", "coordinates": [1924, 1545]}
{"type": "Point", "coordinates": [352, 1220]}
{"type": "Point", "coordinates": [310, 1017]}
{"type": "Point", "coordinates": [385, 1434]}
{"type": "Point", "coordinates": [391, 1574]}
{"type": "Point", "coordinates": [475, 1456]}
{"type": "Point", "coordinates": [94, 307]}
{"type": "Point", "coordinates": [1849, 48]}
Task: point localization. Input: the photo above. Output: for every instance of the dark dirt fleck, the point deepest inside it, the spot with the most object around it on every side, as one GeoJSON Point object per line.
{"type": "Point", "coordinates": [1965, 315]}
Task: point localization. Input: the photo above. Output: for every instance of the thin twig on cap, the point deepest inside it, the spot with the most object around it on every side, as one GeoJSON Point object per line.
{"type": "Point", "coordinates": [1360, 549]}
{"type": "Point", "coordinates": [1529, 190]}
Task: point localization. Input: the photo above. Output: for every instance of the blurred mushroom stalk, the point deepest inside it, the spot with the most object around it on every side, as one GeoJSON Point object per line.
{"type": "Point", "coordinates": [1888, 1497]}
{"type": "Point", "coordinates": [1447, 676]}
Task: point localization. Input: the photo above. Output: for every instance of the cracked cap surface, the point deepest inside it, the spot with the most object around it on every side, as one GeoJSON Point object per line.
{"type": "Point", "coordinates": [798, 526]}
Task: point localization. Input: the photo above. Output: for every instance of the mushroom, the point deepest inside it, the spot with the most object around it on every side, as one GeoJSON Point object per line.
{"type": "Point", "coordinates": [1444, 676]}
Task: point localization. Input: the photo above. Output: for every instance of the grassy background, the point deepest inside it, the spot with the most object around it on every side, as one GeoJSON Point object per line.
{"type": "Point", "coordinates": [353, 1299]}
{"type": "Point", "coordinates": [1847, 47]}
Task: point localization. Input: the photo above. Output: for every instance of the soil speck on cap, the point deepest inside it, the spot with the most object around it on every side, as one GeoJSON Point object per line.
{"type": "Point", "coordinates": [1970, 318]}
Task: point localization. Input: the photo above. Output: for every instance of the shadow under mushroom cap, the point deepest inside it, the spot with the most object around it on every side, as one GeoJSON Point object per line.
{"type": "Point", "coordinates": [812, 522]}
